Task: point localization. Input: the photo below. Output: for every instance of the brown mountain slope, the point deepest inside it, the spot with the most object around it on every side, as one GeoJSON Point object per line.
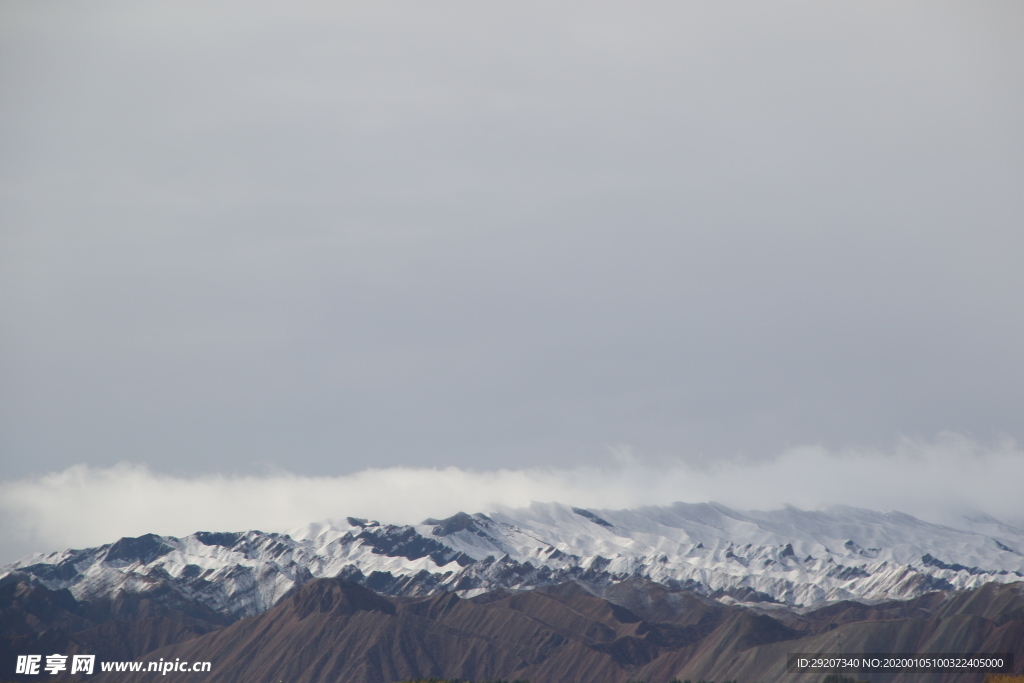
{"type": "Point", "coordinates": [333, 630]}
{"type": "Point", "coordinates": [988, 619]}
{"type": "Point", "coordinates": [36, 620]}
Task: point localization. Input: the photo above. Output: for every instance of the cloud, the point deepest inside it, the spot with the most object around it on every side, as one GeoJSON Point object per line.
{"type": "Point", "coordinates": [83, 506]}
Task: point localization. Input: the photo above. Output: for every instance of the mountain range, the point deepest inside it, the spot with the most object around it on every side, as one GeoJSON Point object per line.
{"type": "Point", "coordinates": [788, 556]}
{"type": "Point", "coordinates": [549, 592]}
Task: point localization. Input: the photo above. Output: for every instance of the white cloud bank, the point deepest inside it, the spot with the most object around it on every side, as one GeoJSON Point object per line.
{"type": "Point", "coordinates": [84, 506]}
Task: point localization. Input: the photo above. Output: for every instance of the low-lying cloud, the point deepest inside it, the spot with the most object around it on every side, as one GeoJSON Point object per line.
{"type": "Point", "coordinates": [83, 506]}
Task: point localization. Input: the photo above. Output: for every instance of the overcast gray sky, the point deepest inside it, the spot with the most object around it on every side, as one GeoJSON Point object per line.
{"type": "Point", "coordinates": [321, 237]}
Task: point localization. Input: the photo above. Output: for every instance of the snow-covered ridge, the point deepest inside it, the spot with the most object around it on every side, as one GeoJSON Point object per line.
{"type": "Point", "coordinates": [789, 556]}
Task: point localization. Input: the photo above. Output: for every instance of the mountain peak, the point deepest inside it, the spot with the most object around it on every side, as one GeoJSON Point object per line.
{"type": "Point", "coordinates": [728, 555]}
{"type": "Point", "coordinates": [338, 596]}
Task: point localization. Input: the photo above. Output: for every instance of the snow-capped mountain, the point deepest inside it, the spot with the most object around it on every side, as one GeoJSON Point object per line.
{"type": "Point", "coordinates": [787, 556]}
